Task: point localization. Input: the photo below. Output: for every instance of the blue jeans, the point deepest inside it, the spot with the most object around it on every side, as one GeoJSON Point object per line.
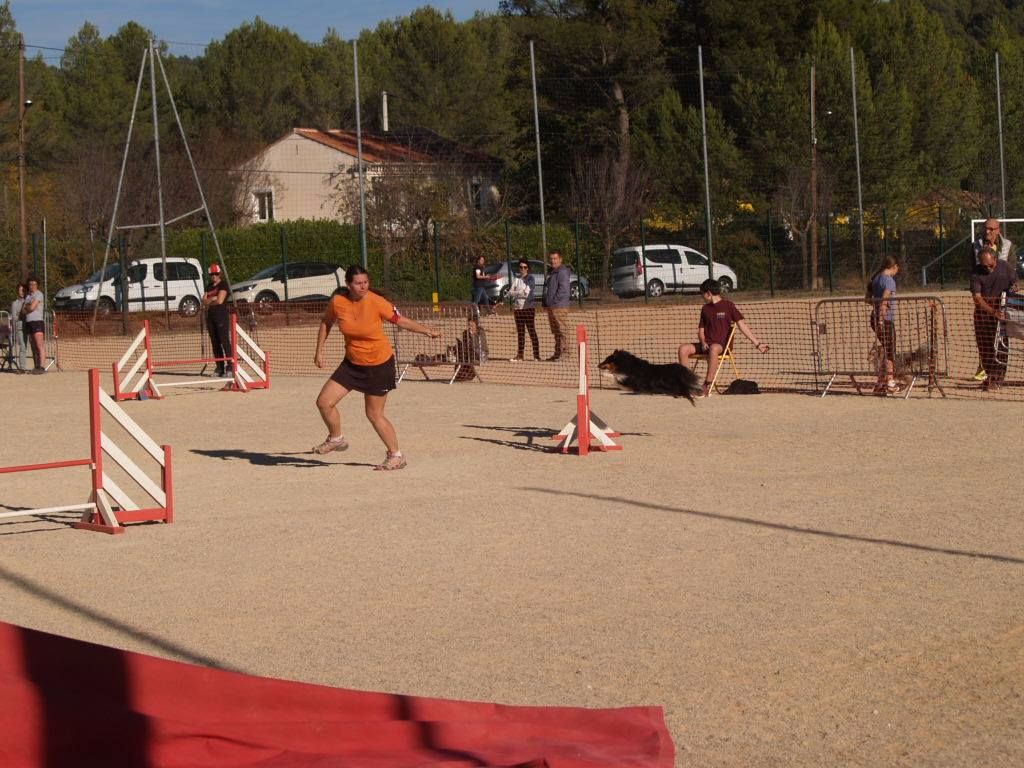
{"type": "Point", "coordinates": [480, 296]}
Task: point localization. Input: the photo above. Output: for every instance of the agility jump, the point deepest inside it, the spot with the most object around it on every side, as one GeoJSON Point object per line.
{"type": "Point", "coordinates": [135, 373]}
{"type": "Point", "coordinates": [596, 430]}
{"type": "Point", "coordinates": [109, 506]}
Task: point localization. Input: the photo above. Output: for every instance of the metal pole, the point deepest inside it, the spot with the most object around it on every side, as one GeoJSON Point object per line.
{"type": "Point", "coordinates": [195, 173]}
{"type": "Point", "coordinates": [284, 260]}
{"type": "Point", "coordinates": [437, 268]}
{"type": "Point", "coordinates": [122, 254]}
{"type": "Point", "coordinates": [856, 150]}
{"type": "Point", "coordinates": [508, 255]}
{"type": "Point", "coordinates": [45, 270]}
{"type": "Point", "coordinates": [707, 174]}
{"type": "Point", "coordinates": [1002, 163]}
{"type": "Point", "coordinates": [359, 158]}
{"type": "Point", "coordinates": [814, 191]}
{"type": "Point", "coordinates": [885, 232]}
{"type": "Point", "coordinates": [643, 256]}
{"type": "Point", "coordinates": [771, 258]}
{"type": "Point", "coordinates": [540, 169]}
{"type": "Point", "coordinates": [828, 235]}
{"type": "Point", "coordinates": [159, 182]}
{"type": "Point", "coordinates": [21, 155]}
{"type": "Point", "coordinates": [576, 245]}
{"type": "Point", "coordinates": [942, 267]}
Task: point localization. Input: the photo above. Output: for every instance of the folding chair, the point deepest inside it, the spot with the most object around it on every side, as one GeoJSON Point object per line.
{"type": "Point", "coordinates": [727, 354]}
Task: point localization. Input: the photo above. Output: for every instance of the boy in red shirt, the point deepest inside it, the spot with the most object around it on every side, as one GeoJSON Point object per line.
{"type": "Point", "coordinates": [716, 319]}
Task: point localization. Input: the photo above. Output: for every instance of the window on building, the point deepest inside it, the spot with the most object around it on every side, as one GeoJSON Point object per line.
{"type": "Point", "coordinates": [264, 205]}
{"type": "Point", "coordinates": [476, 195]}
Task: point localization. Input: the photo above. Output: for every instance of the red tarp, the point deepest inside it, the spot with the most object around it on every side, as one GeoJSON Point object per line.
{"type": "Point", "coordinates": [69, 703]}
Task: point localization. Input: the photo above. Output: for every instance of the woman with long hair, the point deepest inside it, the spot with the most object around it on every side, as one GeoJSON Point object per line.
{"type": "Point", "coordinates": [369, 364]}
{"type": "Point", "coordinates": [881, 294]}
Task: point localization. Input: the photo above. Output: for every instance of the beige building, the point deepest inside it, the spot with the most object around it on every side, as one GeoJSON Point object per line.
{"type": "Point", "coordinates": [312, 174]}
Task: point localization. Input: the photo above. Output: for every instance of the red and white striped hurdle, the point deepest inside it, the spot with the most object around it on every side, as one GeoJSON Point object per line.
{"type": "Point", "coordinates": [135, 373]}
{"type": "Point", "coordinates": [109, 506]}
{"type": "Point", "coordinates": [598, 435]}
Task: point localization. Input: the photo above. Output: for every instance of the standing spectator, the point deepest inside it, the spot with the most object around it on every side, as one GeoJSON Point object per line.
{"type": "Point", "coordinates": [35, 326]}
{"type": "Point", "coordinates": [990, 279]}
{"type": "Point", "coordinates": [993, 238]}
{"type": "Point", "coordinates": [716, 319]}
{"type": "Point", "coordinates": [1004, 251]}
{"type": "Point", "coordinates": [521, 290]}
{"type": "Point", "coordinates": [17, 331]}
{"type": "Point", "coordinates": [369, 364]}
{"type": "Point", "coordinates": [556, 301]}
{"type": "Point", "coordinates": [218, 320]}
{"type": "Point", "coordinates": [480, 282]}
{"type": "Point", "coordinates": [881, 293]}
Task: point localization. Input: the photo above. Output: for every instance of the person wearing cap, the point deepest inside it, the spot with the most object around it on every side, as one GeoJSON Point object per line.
{"type": "Point", "coordinates": [218, 320]}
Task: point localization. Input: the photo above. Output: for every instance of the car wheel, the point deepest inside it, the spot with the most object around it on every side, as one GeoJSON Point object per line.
{"type": "Point", "coordinates": [503, 293]}
{"type": "Point", "coordinates": [725, 283]}
{"type": "Point", "coordinates": [265, 301]}
{"type": "Point", "coordinates": [105, 307]}
{"type": "Point", "coordinates": [655, 288]}
{"type": "Point", "coordinates": [574, 291]}
{"type": "Point", "coordinates": [189, 306]}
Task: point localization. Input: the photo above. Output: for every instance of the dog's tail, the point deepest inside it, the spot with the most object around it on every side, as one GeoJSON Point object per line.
{"type": "Point", "coordinates": [691, 385]}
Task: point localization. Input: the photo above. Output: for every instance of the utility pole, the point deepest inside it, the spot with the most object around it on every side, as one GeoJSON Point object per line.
{"type": "Point", "coordinates": [814, 191]}
{"type": "Point", "coordinates": [22, 106]}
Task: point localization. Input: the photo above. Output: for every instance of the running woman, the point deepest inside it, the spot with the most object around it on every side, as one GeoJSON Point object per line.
{"type": "Point", "coordinates": [369, 364]}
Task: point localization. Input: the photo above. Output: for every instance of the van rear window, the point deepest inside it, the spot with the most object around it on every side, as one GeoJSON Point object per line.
{"type": "Point", "coordinates": [624, 259]}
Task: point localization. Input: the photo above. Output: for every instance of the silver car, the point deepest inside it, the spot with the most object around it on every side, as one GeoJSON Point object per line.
{"type": "Point", "coordinates": [497, 290]}
{"type": "Point", "coordinates": [307, 281]}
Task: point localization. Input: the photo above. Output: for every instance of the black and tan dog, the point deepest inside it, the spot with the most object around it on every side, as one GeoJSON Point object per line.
{"type": "Point", "coordinates": [651, 378]}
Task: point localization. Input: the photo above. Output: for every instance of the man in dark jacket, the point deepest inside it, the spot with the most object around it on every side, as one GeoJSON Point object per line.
{"type": "Point", "coordinates": [990, 279]}
{"type": "Point", "coordinates": [556, 302]}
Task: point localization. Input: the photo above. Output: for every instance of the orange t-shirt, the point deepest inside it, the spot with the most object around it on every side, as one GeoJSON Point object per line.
{"type": "Point", "coordinates": [361, 324]}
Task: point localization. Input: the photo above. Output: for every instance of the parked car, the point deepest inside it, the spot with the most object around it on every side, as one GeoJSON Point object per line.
{"type": "Point", "coordinates": [147, 286]}
{"type": "Point", "coordinates": [307, 281]}
{"type": "Point", "coordinates": [498, 289]}
{"type": "Point", "coordinates": [666, 269]}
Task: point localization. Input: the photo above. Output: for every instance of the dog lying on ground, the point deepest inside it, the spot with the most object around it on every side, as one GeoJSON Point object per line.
{"type": "Point", "coordinates": [651, 378]}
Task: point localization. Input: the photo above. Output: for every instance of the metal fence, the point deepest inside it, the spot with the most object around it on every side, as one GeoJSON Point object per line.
{"type": "Point", "coordinates": [817, 345]}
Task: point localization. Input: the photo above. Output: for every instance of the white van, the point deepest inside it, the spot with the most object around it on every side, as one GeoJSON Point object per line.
{"type": "Point", "coordinates": [148, 284]}
{"type": "Point", "coordinates": [666, 269]}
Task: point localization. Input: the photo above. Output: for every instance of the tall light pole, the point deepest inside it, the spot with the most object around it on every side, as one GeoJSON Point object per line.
{"type": "Point", "coordinates": [23, 105]}
{"type": "Point", "coordinates": [814, 191]}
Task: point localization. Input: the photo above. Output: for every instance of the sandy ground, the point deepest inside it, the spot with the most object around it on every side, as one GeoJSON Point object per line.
{"type": "Point", "coordinates": [798, 581]}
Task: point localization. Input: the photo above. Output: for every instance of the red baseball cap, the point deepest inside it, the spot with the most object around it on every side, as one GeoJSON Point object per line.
{"type": "Point", "coordinates": [215, 269]}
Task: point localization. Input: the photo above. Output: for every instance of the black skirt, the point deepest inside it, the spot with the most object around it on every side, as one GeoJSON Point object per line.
{"type": "Point", "coordinates": [375, 380]}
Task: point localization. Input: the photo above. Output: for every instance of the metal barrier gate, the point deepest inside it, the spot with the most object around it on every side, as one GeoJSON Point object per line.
{"type": "Point", "coordinates": [846, 345]}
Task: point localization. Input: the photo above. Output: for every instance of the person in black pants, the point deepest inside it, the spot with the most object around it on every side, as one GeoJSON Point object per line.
{"type": "Point", "coordinates": [218, 320]}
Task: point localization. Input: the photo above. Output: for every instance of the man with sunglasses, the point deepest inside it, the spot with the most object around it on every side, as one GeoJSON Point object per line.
{"type": "Point", "coordinates": [993, 238]}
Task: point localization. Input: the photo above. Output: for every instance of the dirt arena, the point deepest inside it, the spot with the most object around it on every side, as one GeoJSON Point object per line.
{"type": "Point", "coordinates": [797, 581]}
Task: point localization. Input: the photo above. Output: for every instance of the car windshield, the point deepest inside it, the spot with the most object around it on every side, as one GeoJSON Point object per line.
{"type": "Point", "coordinates": [493, 269]}
{"type": "Point", "coordinates": [112, 271]}
{"type": "Point", "coordinates": [263, 274]}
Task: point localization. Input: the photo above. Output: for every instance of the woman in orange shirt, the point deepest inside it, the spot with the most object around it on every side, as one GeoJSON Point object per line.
{"type": "Point", "coordinates": [369, 364]}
